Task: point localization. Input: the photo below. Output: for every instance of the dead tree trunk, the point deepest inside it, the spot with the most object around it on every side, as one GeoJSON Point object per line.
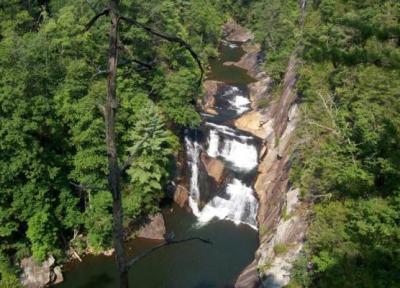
{"type": "Point", "coordinates": [114, 173]}
{"type": "Point", "coordinates": [110, 108]}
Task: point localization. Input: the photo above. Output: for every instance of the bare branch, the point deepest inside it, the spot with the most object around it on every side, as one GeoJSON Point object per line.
{"type": "Point", "coordinates": [139, 62]}
{"type": "Point", "coordinates": [145, 65]}
{"type": "Point", "coordinates": [100, 72]}
{"type": "Point", "coordinates": [97, 16]}
{"type": "Point", "coordinates": [170, 38]}
{"type": "Point", "coordinates": [85, 187]}
{"type": "Point", "coordinates": [92, 7]}
{"type": "Point", "coordinates": [323, 126]}
{"type": "Point", "coordinates": [167, 242]}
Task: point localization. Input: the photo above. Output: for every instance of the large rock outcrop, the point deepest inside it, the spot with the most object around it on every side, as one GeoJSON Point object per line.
{"type": "Point", "coordinates": [37, 275]}
{"type": "Point", "coordinates": [215, 168]}
{"type": "Point", "coordinates": [236, 33]}
{"type": "Point", "coordinates": [154, 228]}
{"type": "Point", "coordinates": [281, 216]}
{"type": "Point", "coordinates": [210, 91]}
{"type": "Point", "coordinates": [181, 196]}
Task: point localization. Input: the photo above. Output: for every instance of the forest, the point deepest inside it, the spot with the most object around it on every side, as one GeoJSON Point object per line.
{"type": "Point", "coordinates": [54, 169]}
{"type": "Point", "coordinates": [53, 80]}
{"type": "Point", "coordinates": [346, 157]}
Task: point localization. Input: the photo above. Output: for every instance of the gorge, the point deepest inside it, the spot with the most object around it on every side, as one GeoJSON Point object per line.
{"type": "Point", "coordinates": [221, 169]}
{"type": "Point", "coordinates": [163, 144]}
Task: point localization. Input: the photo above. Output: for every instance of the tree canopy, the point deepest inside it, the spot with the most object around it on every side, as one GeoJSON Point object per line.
{"type": "Point", "coordinates": [53, 161]}
{"type": "Point", "coordinates": [346, 157]}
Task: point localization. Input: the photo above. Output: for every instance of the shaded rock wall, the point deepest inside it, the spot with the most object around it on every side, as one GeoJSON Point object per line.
{"type": "Point", "coordinates": [281, 217]}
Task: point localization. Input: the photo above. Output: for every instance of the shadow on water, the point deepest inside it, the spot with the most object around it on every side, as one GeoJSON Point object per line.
{"type": "Point", "coordinates": [191, 264]}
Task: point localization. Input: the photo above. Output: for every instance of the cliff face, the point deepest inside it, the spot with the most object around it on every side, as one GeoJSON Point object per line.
{"type": "Point", "coordinates": [281, 217]}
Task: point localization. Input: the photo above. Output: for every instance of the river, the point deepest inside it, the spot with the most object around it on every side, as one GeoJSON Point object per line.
{"type": "Point", "coordinates": [225, 214]}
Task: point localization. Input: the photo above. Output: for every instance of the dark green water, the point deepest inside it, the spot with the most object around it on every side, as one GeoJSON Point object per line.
{"type": "Point", "coordinates": [188, 265]}
{"type": "Point", "coordinates": [191, 264]}
{"type": "Point", "coordinates": [228, 73]}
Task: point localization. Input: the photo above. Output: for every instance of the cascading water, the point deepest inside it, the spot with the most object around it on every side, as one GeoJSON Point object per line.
{"type": "Point", "coordinates": [235, 201]}
{"type": "Point", "coordinates": [240, 207]}
{"type": "Point", "coordinates": [242, 155]}
{"type": "Point", "coordinates": [230, 197]}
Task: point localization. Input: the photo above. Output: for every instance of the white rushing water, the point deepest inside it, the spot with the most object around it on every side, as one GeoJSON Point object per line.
{"type": "Point", "coordinates": [241, 155]}
{"type": "Point", "coordinates": [213, 144]}
{"type": "Point", "coordinates": [227, 131]}
{"type": "Point", "coordinates": [239, 205]}
{"type": "Point", "coordinates": [193, 153]}
{"type": "Point", "coordinates": [240, 104]}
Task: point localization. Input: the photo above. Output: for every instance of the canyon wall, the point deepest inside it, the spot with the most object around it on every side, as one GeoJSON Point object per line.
{"type": "Point", "coordinates": [281, 217]}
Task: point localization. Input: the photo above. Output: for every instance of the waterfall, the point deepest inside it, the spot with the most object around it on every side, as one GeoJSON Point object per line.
{"type": "Point", "coordinates": [234, 149]}
{"type": "Point", "coordinates": [240, 207]}
{"type": "Point", "coordinates": [243, 156]}
{"type": "Point", "coordinates": [213, 143]}
{"type": "Point", "coordinates": [236, 202]}
{"type": "Point", "coordinates": [240, 103]}
{"type": "Point", "coordinates": [232, 198]}
{"type": "Point", "coordinates": [237, 101]}
{"type": "Point", "coordinates": [193, 154]}
{"type": "Point", "coordinates": [228, 131]}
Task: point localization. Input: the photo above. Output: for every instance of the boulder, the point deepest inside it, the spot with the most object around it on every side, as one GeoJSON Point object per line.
{"type": "Point", "coordinates": [58, 275]}
{"type": "Point", "coordinates": [210, 89]}
{"type": "Point", "coordinates": [251, 60]}
{"type": "Point", "coordinates": [154, 228]}
{"type": "Point", "coordinates": [215, 168]}
{"type": "Point", "coordinates": [236, 33]}
{"type": "Point", "coordinates": [253, 122]}
{"type": "Point", "coordinates": [36, 275]}
{"type": "Point", "coordinates": [181, 196]}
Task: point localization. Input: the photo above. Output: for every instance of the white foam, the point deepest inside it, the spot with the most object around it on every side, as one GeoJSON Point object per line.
{"type": "Point", "coordinates": [193, 153]}
{"type": "Point", "coordinates": [213, 143]}
{"type": "Point", "coordinates": [240, 104]}
{"type": "Point", "coordinates": [227, 131]}
{"type": "Point", "coordinates": [242, 156]}
{"type": "Point", "coordinates": [241, 207]}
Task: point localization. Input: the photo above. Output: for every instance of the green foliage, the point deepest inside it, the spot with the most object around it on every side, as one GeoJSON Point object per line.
{"type": "Point", "coordinates": [175, 101]}
{"type": "Point", "coordinates": [8, 279]}
{"type": "Point", "coordinates": [275, 24]}
{"type": "Point", "coordinates": [301, 275]}
{"type": "Point", "coordinates": [348, 160]}
{"type": "Point", "coordinates": [42, 234]}
{"type": "Point", "coordinates": [99, 221]}
{"type": "Point", "coordinates": [280, 248]}
{"type": "Point", "coordinates": [151, 152]}
{"type": "Point", "coordinates": [51, 122]}
{"type": "Point", "coordinates": [263, 103]}
{"type": "Point", "coordinates": [356, 242]}
{"type": "Point", "coordinates": [346, 157]}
